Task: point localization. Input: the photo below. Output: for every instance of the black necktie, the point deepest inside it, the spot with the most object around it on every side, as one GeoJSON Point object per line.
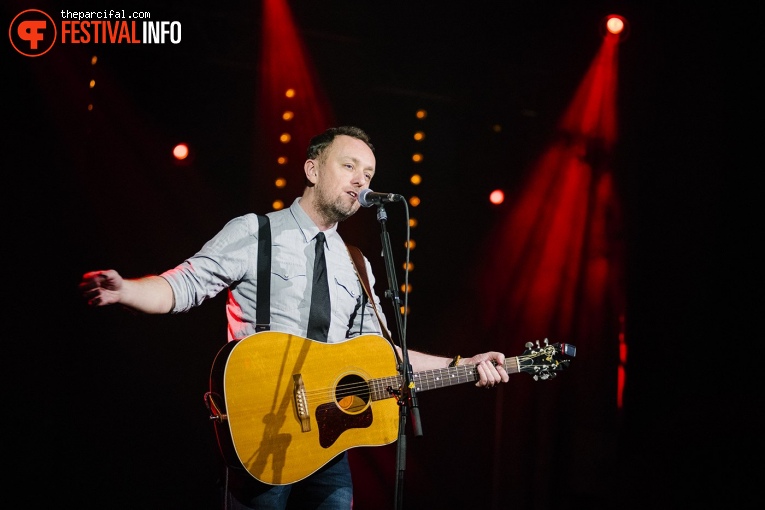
{"type": "Point", "coordinates": [318, 319]}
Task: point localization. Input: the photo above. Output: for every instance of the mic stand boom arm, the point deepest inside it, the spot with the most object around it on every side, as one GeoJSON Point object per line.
{"type": "Point", "coordinates": [407, 399]}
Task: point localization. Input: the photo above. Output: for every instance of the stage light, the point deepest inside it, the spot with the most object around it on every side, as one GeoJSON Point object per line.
{"type": "Point", "coordinates": [615, 25]}
{"type": "Point", "coordinates": [182, 155]}
{"type": "Point", "coordinates": [181, 151]}
{"type": "Point", "coordinates": [497, 197]}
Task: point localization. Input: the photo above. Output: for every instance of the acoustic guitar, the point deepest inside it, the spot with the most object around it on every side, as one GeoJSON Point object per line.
{"type": "Point", "coordinates": [284, 406]}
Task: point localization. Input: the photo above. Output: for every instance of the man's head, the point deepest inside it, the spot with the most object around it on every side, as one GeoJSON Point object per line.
{"type": "Point", "coordinates": [340, 164]}
{"type": "Point", "coordinates": [320, 142]}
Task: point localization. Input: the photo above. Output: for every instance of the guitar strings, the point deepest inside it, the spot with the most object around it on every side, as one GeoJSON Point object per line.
{"type": "Point", "coordinates": [430, 378]}
{"type": "Point", "coordinates": [379, 388]}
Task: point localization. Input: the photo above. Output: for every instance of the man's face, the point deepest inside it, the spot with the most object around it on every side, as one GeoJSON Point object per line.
{"type": "Point", "coordinates": [348, 168]}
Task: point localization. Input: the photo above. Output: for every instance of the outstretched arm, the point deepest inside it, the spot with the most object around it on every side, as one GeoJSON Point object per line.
{"type": "Point", "coordinates": [149, 294]}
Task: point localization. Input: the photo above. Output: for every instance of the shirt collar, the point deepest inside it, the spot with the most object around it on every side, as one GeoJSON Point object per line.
{"type": "Point", "coordinates": [308, 227]}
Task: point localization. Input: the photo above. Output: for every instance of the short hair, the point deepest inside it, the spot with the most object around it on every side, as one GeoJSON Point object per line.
{"type": "Point", "coordinates": [319, 143]}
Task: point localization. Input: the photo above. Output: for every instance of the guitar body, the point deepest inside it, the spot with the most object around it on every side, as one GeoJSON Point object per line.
{"type": "Point", "coordinates": [284, 406]}
{"type": "Point", "coordinates": [287, 405]}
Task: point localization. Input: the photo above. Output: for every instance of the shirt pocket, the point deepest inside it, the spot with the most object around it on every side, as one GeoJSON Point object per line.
{"type": "Point", "coordinates": [347, 293]}
{"type": "Point", "coordinates": [289, 283]}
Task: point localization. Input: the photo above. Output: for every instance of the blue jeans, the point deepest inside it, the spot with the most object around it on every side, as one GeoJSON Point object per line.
{"type": "Point", "coordinates": [330, 488]}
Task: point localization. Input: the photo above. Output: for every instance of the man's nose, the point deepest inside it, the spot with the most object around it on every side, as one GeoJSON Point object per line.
{"type": "Point", "coordinates": [360, 178]}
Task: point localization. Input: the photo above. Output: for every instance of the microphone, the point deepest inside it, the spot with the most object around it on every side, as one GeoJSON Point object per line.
{"type": "Point", "coordinates": [368, 198]}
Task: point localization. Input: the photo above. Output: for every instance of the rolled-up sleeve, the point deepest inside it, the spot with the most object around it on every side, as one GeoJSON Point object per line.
{"type": "Point", "coordinates": [221, 262]}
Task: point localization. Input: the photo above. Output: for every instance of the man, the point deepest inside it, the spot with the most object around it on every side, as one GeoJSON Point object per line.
{"type": "Point", "coordinates": [340, 164]}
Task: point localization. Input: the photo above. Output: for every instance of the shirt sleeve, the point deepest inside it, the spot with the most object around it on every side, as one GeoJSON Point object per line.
{"type": "Point", "coordinates": [222, 261]}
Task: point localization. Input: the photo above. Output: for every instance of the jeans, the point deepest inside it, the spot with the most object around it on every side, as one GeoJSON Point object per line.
{"type": "Point", "coordinates": [330, 488]}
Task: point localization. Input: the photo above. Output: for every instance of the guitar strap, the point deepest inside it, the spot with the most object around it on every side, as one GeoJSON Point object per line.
{"type": "Point", "coordinates": [263, 313]}
{"type": "Point", "coordinates": [361, 272]}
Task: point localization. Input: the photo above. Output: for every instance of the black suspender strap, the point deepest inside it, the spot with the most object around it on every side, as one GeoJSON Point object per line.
{"type": "Point", "coordinates": [263, 313]}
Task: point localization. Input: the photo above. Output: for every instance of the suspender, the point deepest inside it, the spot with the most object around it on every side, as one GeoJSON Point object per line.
{"type": "Point", "coordinates": [263, 313]}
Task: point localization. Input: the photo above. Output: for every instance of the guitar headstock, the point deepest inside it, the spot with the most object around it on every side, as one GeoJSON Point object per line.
{"type": "Point", "coordinates": [545, 361]}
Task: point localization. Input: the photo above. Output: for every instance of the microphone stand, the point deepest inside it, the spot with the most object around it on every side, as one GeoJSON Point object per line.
{"type": "Point", "coordinates": [407, 398]}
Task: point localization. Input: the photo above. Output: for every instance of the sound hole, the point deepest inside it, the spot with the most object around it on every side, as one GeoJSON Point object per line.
{"type": "Point", "coordinates": [352, 394]}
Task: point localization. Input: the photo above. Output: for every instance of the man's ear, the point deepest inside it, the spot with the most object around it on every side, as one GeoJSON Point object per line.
{"type": "Point", "coordinates": [310, 170]}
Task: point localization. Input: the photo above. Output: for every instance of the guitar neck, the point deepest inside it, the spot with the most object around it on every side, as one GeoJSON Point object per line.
{"type": "Point", "coordinates": [431, 379]}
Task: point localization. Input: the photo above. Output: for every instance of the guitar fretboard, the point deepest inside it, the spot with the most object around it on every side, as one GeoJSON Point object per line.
{"type": "Point", "coordinates": [386, 387]}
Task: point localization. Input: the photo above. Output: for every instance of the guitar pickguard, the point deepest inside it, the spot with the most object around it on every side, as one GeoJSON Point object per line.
{"type": "Point", "coordinates": [333, 422]}
{"type": "Point", "coordinates": [349, 411]}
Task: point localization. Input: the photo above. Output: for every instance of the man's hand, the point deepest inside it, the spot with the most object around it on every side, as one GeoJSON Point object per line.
{"type": "Point", "coordinates": [102, 288]}
{"type": "Point", "coordinates": [491, 368]}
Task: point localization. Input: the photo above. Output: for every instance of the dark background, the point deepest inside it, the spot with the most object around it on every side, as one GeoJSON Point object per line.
{"type": "Point", "coordinates": [106, 405]}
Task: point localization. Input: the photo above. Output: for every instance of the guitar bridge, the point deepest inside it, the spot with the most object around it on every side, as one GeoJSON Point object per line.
{"type": "Point", "coordinates": [301, 403]}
